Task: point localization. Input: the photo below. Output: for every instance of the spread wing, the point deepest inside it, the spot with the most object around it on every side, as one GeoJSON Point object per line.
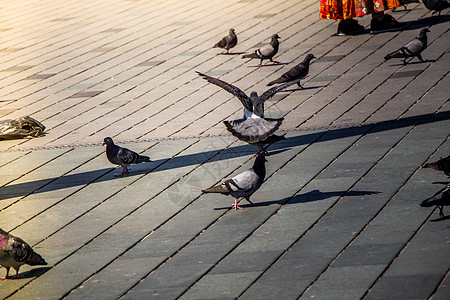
{"type": "Point", "coordinates": [272, 91]}
{"type": "Point", "coordinates": [245, 100]}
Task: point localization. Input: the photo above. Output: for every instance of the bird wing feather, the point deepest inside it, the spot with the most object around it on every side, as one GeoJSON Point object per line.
{"type": "Point", "coordinates": [245, 100]}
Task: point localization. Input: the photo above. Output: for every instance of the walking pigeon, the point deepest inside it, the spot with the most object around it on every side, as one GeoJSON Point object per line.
{"type": "Point", "coordinates": [122, 156]}
{"type": "Point", "coordinates": [267, 51]}
{"type": "Point", "coordinates": [14, 253]}
{"type": "Point", "coordinates": [436, 5]}
{"type": "Point", "coordinates": [443, 164]}
{"type": "Point", "coordinates": [412, 49]}
{"type": "Point", "coordinates": [439, 199]}
{"type": "Point", "coordinates": [253, 127]}
{"type": "Point", "coordinates": [227, 42]}
{"type": "Point", "coordinates": [244, 184]}
{"type": "Point", "coordinates": [298, 72]}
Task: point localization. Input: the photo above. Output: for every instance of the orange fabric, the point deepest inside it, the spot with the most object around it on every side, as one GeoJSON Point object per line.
{"type": "Point", "coordinates": [349, 9]}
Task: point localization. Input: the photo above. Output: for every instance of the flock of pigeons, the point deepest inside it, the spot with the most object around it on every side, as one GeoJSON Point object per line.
{"type": "Point", "coordinates": [253, 128]}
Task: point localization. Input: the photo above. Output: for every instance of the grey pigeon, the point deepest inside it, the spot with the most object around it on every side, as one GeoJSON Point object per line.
{"type": "Point", "coordinates": [267, 51]}
{"type": "Point", "coordinates": [244, 184]}
{"type": "Point", "coordinates": [253, 127]}
{"type": "Point", "coordinates": [122, 156]}
{"type": "Point", "coordinates": [14, 253]}
{"type": "Point", "coordinates": [443, 164]}
{"type": "Point", "coordinates": [439, 199]}
{"type": "Point", "coordinates": [296, 73]}
{"type": "Point", "coordinates": [436, 5]}
{"type": "Point", "coordinates": [412, 49]}
{"type": "Point", "coordinates": [227, 42]}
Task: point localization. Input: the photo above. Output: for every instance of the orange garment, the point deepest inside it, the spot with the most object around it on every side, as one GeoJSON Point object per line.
{"type": "Point", "coordinates": [349, 9]}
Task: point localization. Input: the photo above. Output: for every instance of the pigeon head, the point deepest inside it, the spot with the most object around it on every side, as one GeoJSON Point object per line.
{"type": "Point", "coordinates": [253, 95]}
{"type": "Point", "coordinates": [275, 37]}
{"type": "Point", "coordinates": [309, 57]}
{"type": "Point", "coordinates": [424, 30]}
{"type": "Point", "coordinates": [108, 141]}
{"type": "Point", "coordinates": [231, 30]}
{"type": "Point", "coordinates": [260, 160]}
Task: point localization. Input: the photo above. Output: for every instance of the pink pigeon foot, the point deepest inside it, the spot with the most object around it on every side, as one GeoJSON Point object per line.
{"type": "Point", "coordinates": [123, 172]}
{"type": "Point", "coordinates": [236, 206]}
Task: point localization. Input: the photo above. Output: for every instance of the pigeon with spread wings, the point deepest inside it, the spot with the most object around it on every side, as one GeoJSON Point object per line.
{"type": "Point", "coordinates": [253, 127]}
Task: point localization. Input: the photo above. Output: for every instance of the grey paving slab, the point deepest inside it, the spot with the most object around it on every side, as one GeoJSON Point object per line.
{"type": "Point", "coordinates": [339, 213]}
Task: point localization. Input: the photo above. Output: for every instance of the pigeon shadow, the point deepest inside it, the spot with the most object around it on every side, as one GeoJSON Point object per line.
{"type": "Point", "coordinates": [269, 65]}
{"type": "Point", "coordinates": [231, 53]}
{"type": "Point", "coordinates": [416, 62]}
{"type": "Point", "coordinates": [315, 195]}
{"type": "Point", "coordinates": [426, 22]}
{"type": "Point", "coordinates": [317, 136]}
{"type": "Point", "coordinates": [36, 272]}
{"type": "Point", "coordinates": [441, 219]}
{"type": "Point", "coordinates": [303, 88]}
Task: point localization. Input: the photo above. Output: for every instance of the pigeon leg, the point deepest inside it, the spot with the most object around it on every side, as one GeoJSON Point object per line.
{"type": "Point", "coordinates": [235, 205]}
{"type": "Point", "coordinates": [260, 63]}
{"type": "Point", "coordinates": [299, 85]}
{"type": "Point", "coordinates": [441, 213]}
{"type": "Point", "coordinates": [420, 57]}
{"type": "Point", "coordinates": [124, 171]}
{"type": "Point", "coordinates": [252, 204]}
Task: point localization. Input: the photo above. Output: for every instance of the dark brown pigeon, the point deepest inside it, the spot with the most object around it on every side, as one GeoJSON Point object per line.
{"type": "Point", "coordinates": [296, 73]}
{"type": "Point", "coordinates": [244, 184]}
{"type": "Point", "coordinates": [227, 42]}
{"type": "Point", "coordinates": [440, 199]}
{"type": "Point", "coordinates": [267, 51]}
{"type": "Point", "coordinates": [253, 127]}
{"type": "Point", "coordinates": [14, 253]}
{"type": "Point", "coordinates": [122, 156]}
{"type": "Point", "coordinates": [443, 164]}
{"type": "Point", "coordinates": [436, 5]}
{"type": "Point", "coordinates": [413, 49]}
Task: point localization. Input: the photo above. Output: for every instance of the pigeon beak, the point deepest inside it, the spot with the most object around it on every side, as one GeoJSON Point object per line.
{"type": "Point", "coordinates": [103, 144]}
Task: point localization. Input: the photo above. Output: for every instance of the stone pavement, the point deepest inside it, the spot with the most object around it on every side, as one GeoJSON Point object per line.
{"type": "Point", "coordinates": [338, 215]}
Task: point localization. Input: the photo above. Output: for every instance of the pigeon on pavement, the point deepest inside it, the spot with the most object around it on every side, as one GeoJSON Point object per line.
{"type": "Point", "coordinates": [227, 42]}
{"type": "Point", "coordinates": [412, 49]}
{"type": "Point", "coordinates": [14, 253]}
{"type": "Point", "coordinates": [267, 51]}
{"type": "Point", "coordinates": [436, 5]}
{"type": "Point", "coordinates": [244, 184]}
{"type": "Point", "coordinates": [122, 156]}
{"type": "Point", "coordinates": [439, 199]}
{"type": "Point", "coordinates": [253, 127]}
{"type": "Point", "coordinates": [443, 164]}
{"type": "Point", "coordinates": [296, 73]}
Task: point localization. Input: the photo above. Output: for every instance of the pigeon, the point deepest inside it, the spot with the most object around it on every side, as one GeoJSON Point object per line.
{"type": "Point", "coordinates": [412, 49]}
{"type": "Point", "coordinates": [267, 51]}
{"type": "Point", "coordinates": [227, 42]}
{"type": "Point", "coordinates": [436, 5]}
{"type": "Point", "coordinates": [122, 156]}
{"type": "Point", "coordinates": [439, 199]}
{"type": "Point", "coordinates": [244, 184]}
{"type": "Point", "coordinates": [14, 252]}
{"type": "Point", "coordinates": [253, 127]}
{"type": "Point", "coordinates": [298, 72]}
{"type": "Point", "coordinates": [443, 164]}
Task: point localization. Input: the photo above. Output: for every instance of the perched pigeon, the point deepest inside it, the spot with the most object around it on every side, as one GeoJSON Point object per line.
{"type": "Point", "coordinates": [412, 49]}
{"type": "Point", "coordinates": [243, 184]}
{"type": "Point", "coordinates": [253, 128]}
{"type": "Point", "coordinates": [267, 51]}
{"type": "Point", "coordinates": [122, 156]}
{"type": "Point", "coordinates": [439, 199]}
{"type": "Point", "coordinates": [14, 253]}
{"type": "Point", "coordinates": [436, 5]}
{"type": "Point", "coordinates": [298, 72]}
{"type": "Point", "coordinates": [227, 42]}
{"type": "Point", "coordinates": [443, 164]}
